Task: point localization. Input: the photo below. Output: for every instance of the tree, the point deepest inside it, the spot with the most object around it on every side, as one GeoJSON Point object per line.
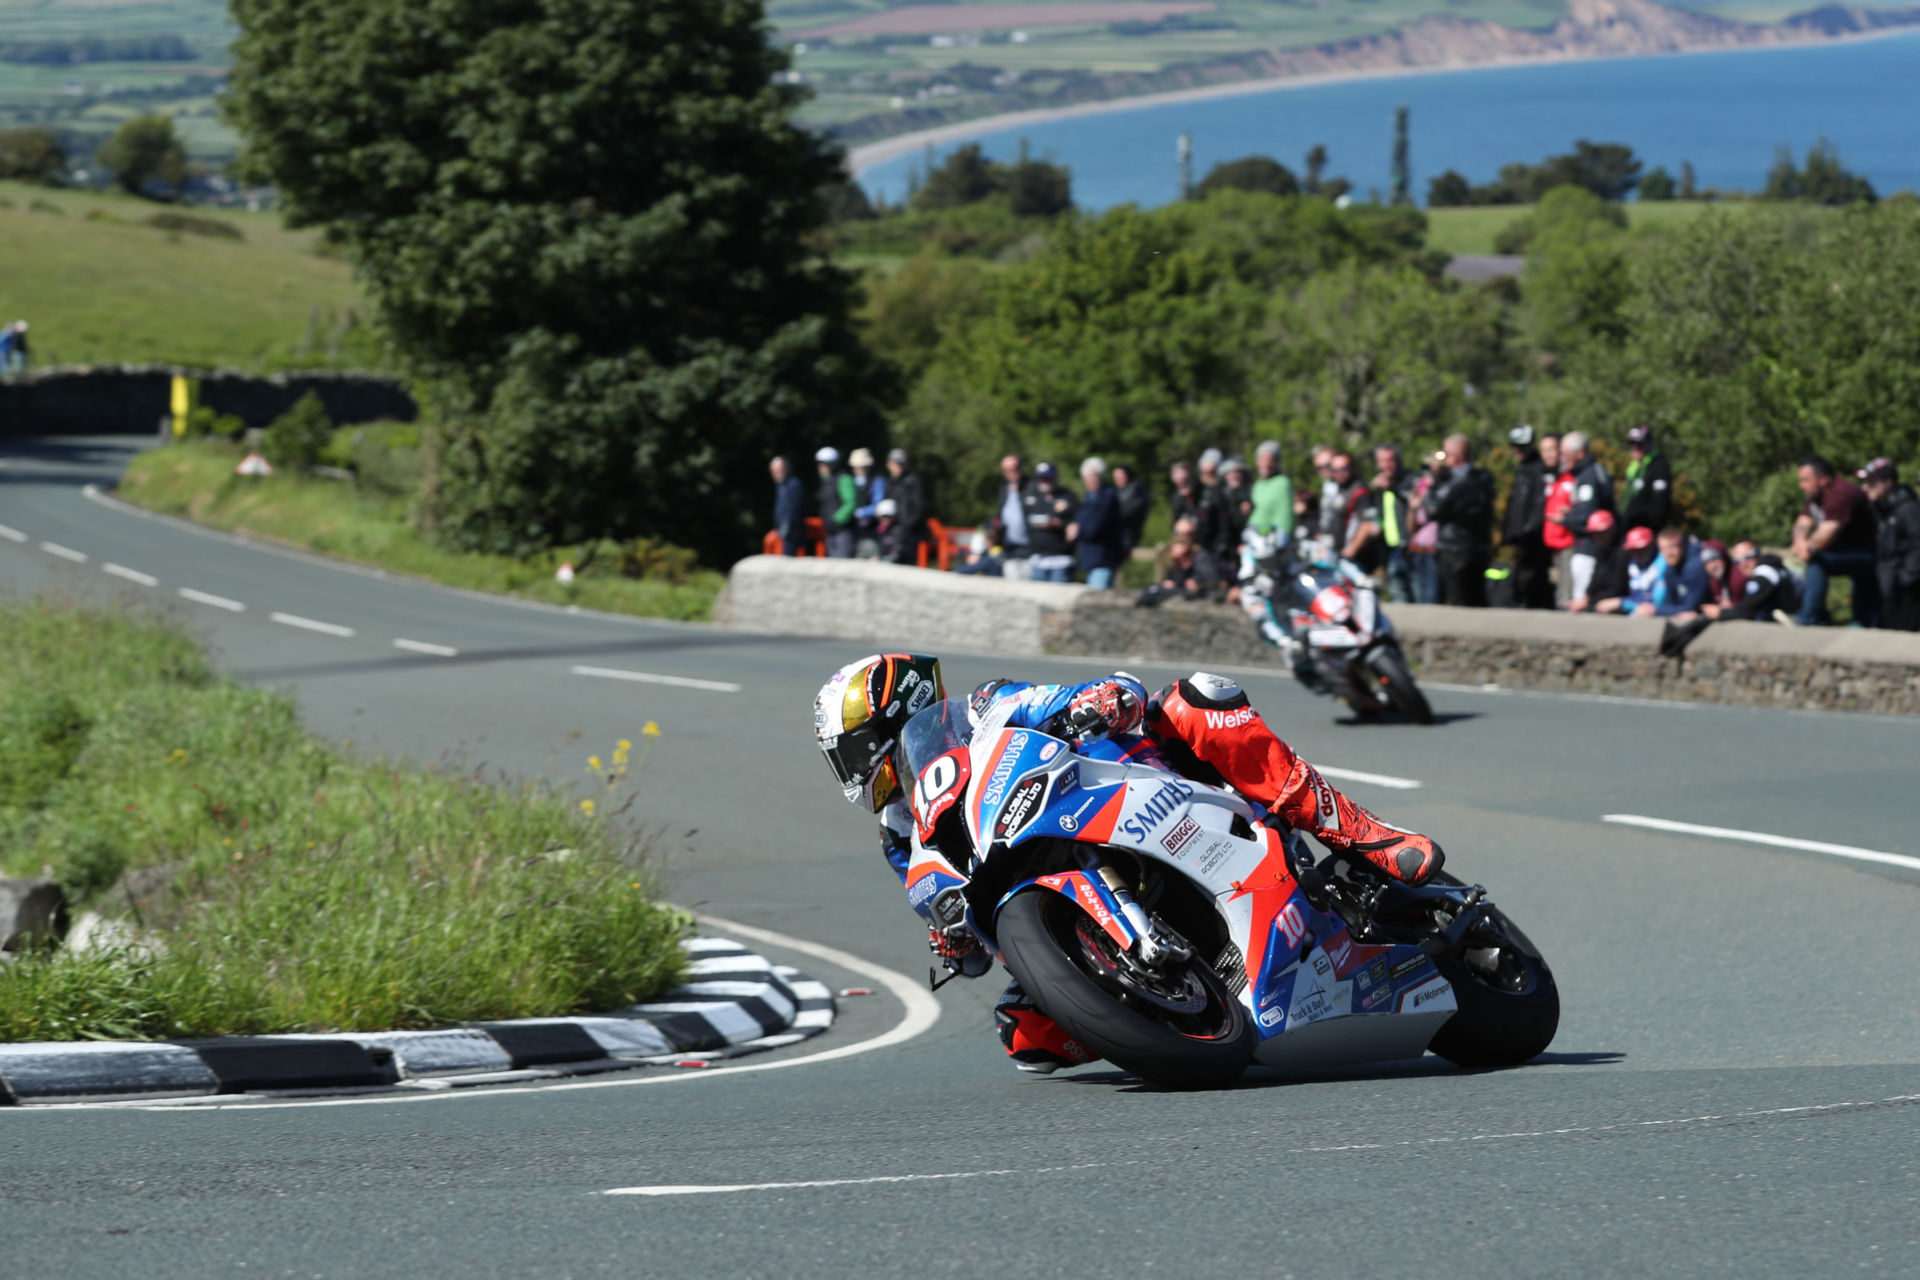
{"type": "Point", "coordinates": [585, 226]}
{"type": "Point", "coordinates": [1688, 189]}
{"type": "Point", "coordinates": [1823, 181]}
{"type": "Point", "coordinates": [31, 155]}
{"type": "Point", "coordinates": [1657, 185]}
{"type": "Point", "coordinates": [143, 151]}
{"type": "Point", "coordinates": [1450, 190]}
{"type": "Point", "coordinates": [965, 177]}
{"type": "Point", "coordinates": [1608, 169]}
{"type": "Point", "coordinates": [1250, 173]}
{"type": "Point", "coordinates": [1576, 277]}
{"type": "Point", "coordinates": [1316, 166]}
{"type": "Point", "coordinates": [1402, 159]}
{"type": "Point", "coordinates": [1036, 188]}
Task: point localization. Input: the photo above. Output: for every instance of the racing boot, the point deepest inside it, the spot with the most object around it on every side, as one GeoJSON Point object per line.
{"type": "Point", "coordinates": [1034, 1041]}
{"type": "Point", "coordinates": [1210, 717]}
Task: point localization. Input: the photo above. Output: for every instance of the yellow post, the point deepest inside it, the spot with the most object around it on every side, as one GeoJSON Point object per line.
{"type": "Point", "coordinates": [186, 397]}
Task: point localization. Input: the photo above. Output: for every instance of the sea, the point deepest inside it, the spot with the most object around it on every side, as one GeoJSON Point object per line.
{"type": "Point", "coordinates": [1726, 112]}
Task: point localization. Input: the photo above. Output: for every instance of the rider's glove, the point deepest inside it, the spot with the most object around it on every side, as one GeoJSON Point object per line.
{"type": "Point", "coordinates": [959, 950]}
{"type": "Point", "coordinates": [1104, 707]}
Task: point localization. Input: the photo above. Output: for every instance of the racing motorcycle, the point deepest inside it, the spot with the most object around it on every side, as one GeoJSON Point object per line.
{"type": "Point", "coordinates": [1182, 933]}
{"type": "Point", "coordinates": [1324, 612]}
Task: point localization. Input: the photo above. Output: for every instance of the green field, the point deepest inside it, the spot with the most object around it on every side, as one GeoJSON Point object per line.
{"type": "Point", "coordinates": [99, 286]}
{"type": "Point", "coordinates": [1472, 230]}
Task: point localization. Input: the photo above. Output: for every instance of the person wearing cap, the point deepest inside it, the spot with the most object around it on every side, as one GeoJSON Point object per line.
{"type": "Point", "coordinates": [1608, 583]}
{"type": "Point", "coordinates": [1049, 510]}
{"type": "Point", "coordinates": [909, 497]}
{"type": "Point", "coordinates": [1272, 493]}
{"type": "Point", "coordinates": [1718, 566]}
{"type": "Point", "coordinates": [1764, 589]}
{"type": "Point", "coordinates": [1096, 530]}
{"type": "Point", "coordinates": [1194, 501]}
{"type": "Point", "coordinates": [1649, 482]}
{"type": "Point", "coordinates": [789, 508]}
{"type": "Point", "coordinates": [1526, 522]}
{"type": "Point", "coordinates": [1592, 492]}
{"type": "Point", "coordinates": [1835, 536]}
{"type": "Point", "coordinates": [837, 502]}
{"type": "Point", "coordinates": [1897, 512]}
{"type": "Point", "coordinates": [981, 559]}
{"type": "Point", "coordinates": [1236, 490]}
{"type": "Point", "coordinates": [869, 491]}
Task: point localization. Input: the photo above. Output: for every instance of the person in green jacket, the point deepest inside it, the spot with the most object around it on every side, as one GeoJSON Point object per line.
{"type": "Point", "coordinates": [1272, 493]}
{"type": "Point", "coordinates": [838, 498]}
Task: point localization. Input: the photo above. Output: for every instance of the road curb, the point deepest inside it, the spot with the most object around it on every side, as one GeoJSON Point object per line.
{"type": "Point", "coordinates": [733, 1002]}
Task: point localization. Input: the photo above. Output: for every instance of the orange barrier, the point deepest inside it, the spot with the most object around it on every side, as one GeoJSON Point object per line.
{"type": "Point", "coordinates": [814, 544]}
{"type": "Point", "coordinates": [941, 545]}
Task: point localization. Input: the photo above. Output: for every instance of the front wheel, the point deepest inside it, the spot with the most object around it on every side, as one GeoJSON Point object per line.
{"type": "Point", "coordinates": [1390, 667]}
{"type": "Point", "coordinates": [1184, 1030]}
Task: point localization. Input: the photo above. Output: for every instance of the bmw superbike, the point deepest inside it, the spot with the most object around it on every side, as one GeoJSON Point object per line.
{"type": "Point", "coordinates": [1177, 930]}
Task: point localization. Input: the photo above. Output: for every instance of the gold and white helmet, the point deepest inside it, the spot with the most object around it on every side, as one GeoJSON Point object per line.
{"type": "Point", "coordinates": [857, 717]}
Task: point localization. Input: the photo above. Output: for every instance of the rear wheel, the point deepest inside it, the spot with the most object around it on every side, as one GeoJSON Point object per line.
{"type": "Point", "coordinates": [1390, 667]}
{"type": "Point", "coordinates": [1509, 1005]}
{"type": "Point", "coordinates": [1181, 1029]}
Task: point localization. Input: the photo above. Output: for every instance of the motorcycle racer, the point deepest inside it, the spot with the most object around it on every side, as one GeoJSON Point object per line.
{"type": "Point", "coordinates": [1202, 727]}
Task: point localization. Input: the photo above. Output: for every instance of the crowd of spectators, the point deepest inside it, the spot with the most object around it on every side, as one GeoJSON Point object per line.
{"type": "Point", "coordinates": [1574, 538]}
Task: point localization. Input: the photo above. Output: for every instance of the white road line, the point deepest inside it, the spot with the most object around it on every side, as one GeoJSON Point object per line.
{"type": "Point", "coordinates": [131, 575]}
{"type": "Point", "coordinates": [643, 677]}
{"type": "Point", "coordinates": [218, 602]}
{"type": "Point", "coordinates": [1761, 837]}
{"type": "Point", "coordinates": [11, 534]}
{"type": "Point", "coordinates": [308, 624]}
{"type": "Point", "coordinates": [65, 553]}
{"type": "Point", "coordinates": [722, 1188]}
{"type": "Point", "coordinates": [421, 646]}
{"type": "Point", "coordinates": [1377, 779]}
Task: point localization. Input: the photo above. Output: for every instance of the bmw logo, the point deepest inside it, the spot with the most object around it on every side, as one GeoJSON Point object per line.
{"type": "Point", "coordinates": [1069, 823]}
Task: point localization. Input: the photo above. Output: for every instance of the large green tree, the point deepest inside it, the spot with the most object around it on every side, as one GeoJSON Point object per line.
{"type": "Point", "coordinates": [585, 226]}
{"type": "Point", "coordinates": [144, 151]}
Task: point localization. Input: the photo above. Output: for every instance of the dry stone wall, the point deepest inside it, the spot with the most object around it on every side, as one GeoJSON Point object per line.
{"type": "Point", "coordinates": [132, 399]}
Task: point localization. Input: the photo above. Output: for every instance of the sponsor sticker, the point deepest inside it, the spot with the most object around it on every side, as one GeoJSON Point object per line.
{"type": "Point", "coordinates": [1157, 808]}
{"type": "Point", "coordinates": [1427, 995]}
{"type": "Point", "coordinates": [1311, 1007]}
{"type": "Point", "coordinates": [1183, 834]}
{"type": "Point", "coordinates": [1003, 771]}
{"type": "Point", "coordinates": [922, 889]}
{"type": "Point", "coordinates": [1021, 806]}
{"type": "Point", "coordinates": [1216, 853]}
{"type": "Point", "coordinates": [1230, 719]}
{"type": "Point", "coordinates": [1049, 751]}
{"type": "Point", "coordinates": [1375, 998]}
{"type": "Point", "coordinates": [1273, 1017]}
{"type": "Point", "coordinates": [1411, 964]}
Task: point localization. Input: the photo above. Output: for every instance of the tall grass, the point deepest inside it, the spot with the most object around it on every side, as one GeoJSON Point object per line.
{"type": "Point", "coordinates": [196, 480]}
{"type": "Point", "coordinates": [286, 886]}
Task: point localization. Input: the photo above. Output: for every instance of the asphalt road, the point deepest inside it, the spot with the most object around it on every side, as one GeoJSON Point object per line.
{"type": "Point", "coordinates": [1735, 1087]}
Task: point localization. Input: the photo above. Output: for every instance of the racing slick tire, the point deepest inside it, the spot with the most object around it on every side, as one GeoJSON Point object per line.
{"type": "Point", "coordinates": [1390, 665]}
{"type": "Point", "coordinates": [1056, 960]}
{"type": "Point", "coordinates": [1508, 1012]}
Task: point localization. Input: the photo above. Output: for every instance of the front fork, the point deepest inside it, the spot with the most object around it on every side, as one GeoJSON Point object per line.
{"type": "Point", "coordinates": [1157, 943]}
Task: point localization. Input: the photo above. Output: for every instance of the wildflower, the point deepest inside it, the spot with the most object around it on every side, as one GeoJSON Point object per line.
{"type": "Point", "coordinates": [586, 807]}
{"type": "Point", "coordinates": [623, 746]}
{"type": "Point", "coordinates": [593, 763]}
{"type": "Point", "coordinates": [649, 730]}
{"type": "Point", "coordinates": [634, 885]}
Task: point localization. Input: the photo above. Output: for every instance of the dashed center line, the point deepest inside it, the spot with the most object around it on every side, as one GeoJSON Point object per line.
{"type": "Point", "coordinates": [1377, 779]}
{"type": "Point", "coordinates": [11, 534]}
{"type": "Point", "coordinates": [421, 646]}
{"type": "Point", "coordinates": [218, 602]}
{"type": "Point", "coordinates": [646, 677]}
{"type": "Point", "coordinates": [65, 553]}
{"type": "Point", "coordinates": [131, 575]}
{"type": "Point", "coordinates": [309, 624]}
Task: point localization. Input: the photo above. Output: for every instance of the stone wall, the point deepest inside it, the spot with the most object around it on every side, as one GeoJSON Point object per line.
{"type": "Point", "coordinates": [1738, 663]}
{"type": "Point", "coordinates": [132, 399]}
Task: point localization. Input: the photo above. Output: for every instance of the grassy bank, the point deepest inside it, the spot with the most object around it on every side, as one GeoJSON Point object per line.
{"type": "Point", "coordinates": [278, 884]}
{"type": "Point", "coordinates": [102, 284]}
{"type": "Point", "coordinates": [1472, 230]}
{"type": "Point", "coordinates": [334, 517]}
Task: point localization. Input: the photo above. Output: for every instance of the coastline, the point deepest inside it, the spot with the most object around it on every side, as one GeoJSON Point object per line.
{"type": "Point", "coordinates": [864, 158]}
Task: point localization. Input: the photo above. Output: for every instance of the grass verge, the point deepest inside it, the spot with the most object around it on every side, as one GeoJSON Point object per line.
{"type": "Point", "coordinates": [1472, 230]}
{"type": "Point", "coordinates": [278, 884]}
{"type": "Point", "coordinates": [333, 517]}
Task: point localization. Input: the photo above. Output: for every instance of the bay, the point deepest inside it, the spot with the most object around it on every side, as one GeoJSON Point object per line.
{"type": "Point", "coordinates": [1725, 111]}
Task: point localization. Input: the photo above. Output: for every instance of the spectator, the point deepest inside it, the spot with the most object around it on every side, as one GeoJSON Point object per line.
{"type": "Point", "coordinates": [1554, 534]}
{"type": "Point", "coordinates": [1306, 503]}
{"type": "Point", "coordinates": [1009, 524]}
{"type": "Point", "coordinates": [1608, 583]}
{"type": "Point", "coordinates": [1392, 513]}
{"type": "Point", "coordinates": [837, 501]}
{"type": "Point", "coordinates": [1835, 536]}
{"type": "Point", "coordinates": [1649, 483]}
{"type": "Point", "coordinates": [909, 497]}
{"type": "Point", "coordinates": [1592, 491]}
{"type": "Point", "coordinates": [15, 348]}
{"type": "Point", "coordinates": [869, 491]}
{"type": "Point", "coordinates": [789, 508]}
{"type": "Point", "coordinates": [1765, 590]}
{"type": "Point", "coordinates": [1526, 524]}
{"type": "Point", "coordinates": [1719, 569]}
{"type": "Point", "coordinates": [1237, 492]}
{"type": "Point", "coordinates": [981, 558]}
{"type": "Point", "coordinates": [1096, 529]}
{"type": "Point", "coordinates": [1184, 571]}
{"type": "Point", "coordinates": [1685, 583]}
{"type": "Point", "coordinates": [6, 349]}
{"type": "Point", "coordinates": [1136, 500]}
{"type": "Point", "coordinates": [1897, 511]}
{"type": "Point", "coordinates": [1049, 510]}
{"type": "Point", "coordinates": [1646, 577]}
{"type": "Point", "coordinates": [1199, 504]}
{"type": "Point", "coordinates": [1423, 545]}
{"type": "Point", "coordinates": [1272, 493]}
{"type": "Point", "coordinates": [1462, 505]}
{"type": "Point", "coordinates": [1210, 460]}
